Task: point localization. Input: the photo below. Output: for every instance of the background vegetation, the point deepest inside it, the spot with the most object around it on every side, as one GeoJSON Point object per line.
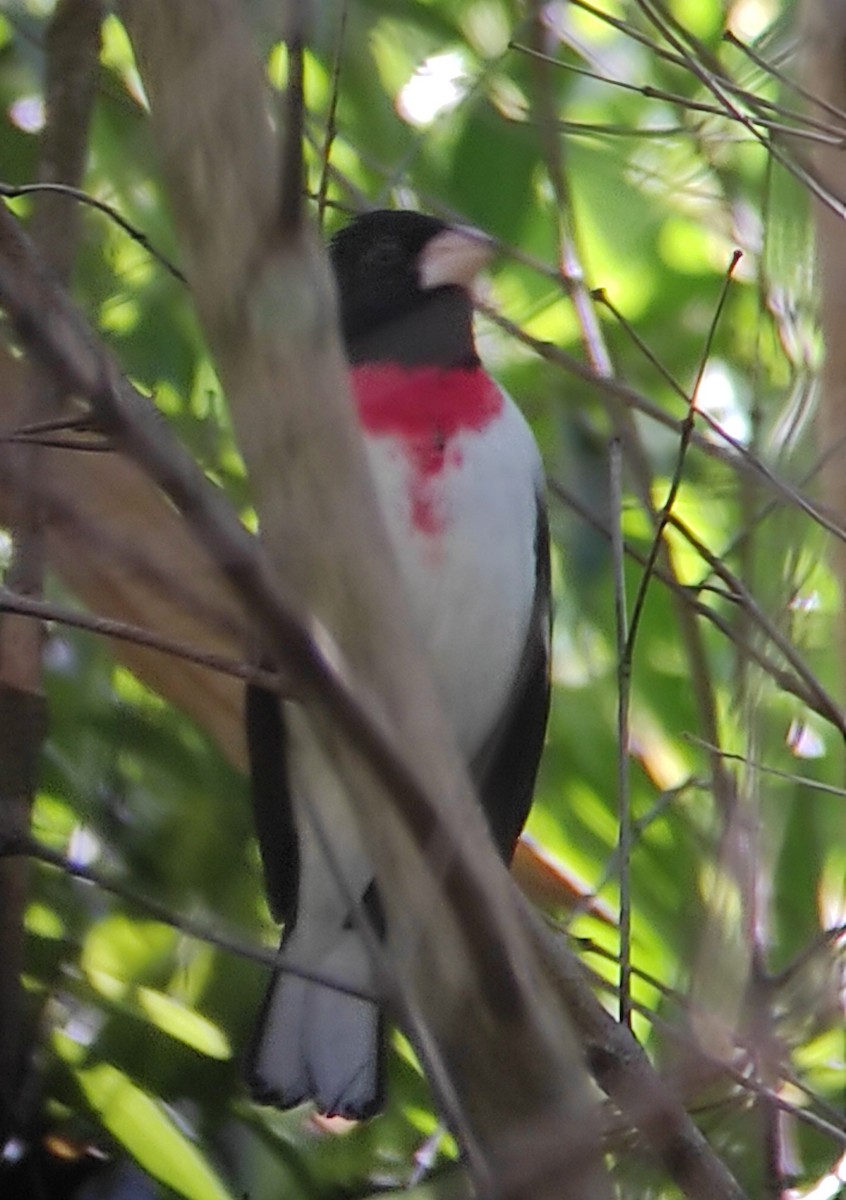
{"type": "Point", "coordinates": [621, 154]}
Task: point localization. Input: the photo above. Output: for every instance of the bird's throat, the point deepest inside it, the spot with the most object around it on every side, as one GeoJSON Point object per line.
{"type": "Point", "coordinates": [424, 411]}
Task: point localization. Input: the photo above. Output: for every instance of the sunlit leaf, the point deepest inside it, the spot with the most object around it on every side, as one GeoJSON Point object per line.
{"type": "Point", "coordinates": [153, 1138]}
{"type": "Point", "coordinates": [183, 1023]}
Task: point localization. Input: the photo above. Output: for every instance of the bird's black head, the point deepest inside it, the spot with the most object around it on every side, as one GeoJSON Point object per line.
{"type": "Point", "coordinates": [403, 280]}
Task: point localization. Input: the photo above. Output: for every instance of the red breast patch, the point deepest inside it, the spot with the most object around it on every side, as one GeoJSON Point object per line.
{"type": "Point", "coordinates": [424, 408]}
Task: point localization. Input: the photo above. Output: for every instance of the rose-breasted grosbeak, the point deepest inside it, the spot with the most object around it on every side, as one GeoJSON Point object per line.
{"type": "Point", "coordinates": [460, 484]}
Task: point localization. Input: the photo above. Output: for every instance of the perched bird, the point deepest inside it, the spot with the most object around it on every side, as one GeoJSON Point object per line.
{"type": "Point", "coordinates": [459, 481]}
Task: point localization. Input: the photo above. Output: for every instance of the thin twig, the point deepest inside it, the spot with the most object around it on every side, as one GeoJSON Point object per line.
{"type": "Point", "coordinates": [824, 704]}
{"type": "Point", "coordinates": [718, 88]}
{"type": "Point", "coordinates": [231, 943]}
{"type": "Point", "coordinates": [100, 446]}
{"type": "Point", "coordinates": [602, 297]}
{"type": "Point", "coordinates": [687, 428]}
{"type": "Point", "coordinates": [824, 940]}
{"type": "Point", "coordinates": [569, 260]}
{"type": "Point", "coordinates": [332, 114]}
{"type": "Point", "coordinates": [11, 191]}
{"type": "Point", "coordinates": [787, 80]}
{"type": "Point", "coordinates": [756, 765]}
{"type": "Point", "coordinates": [792, 684]}
{"type": "Point", "coordinates": [624, 664]}
{"type": "Point", "coordinates": [790, 494]}
{"type": "Point", "coordinates": [806, 128]}
{"type": "Point", "coordinates": [122, 631]}
{"type": "Point", "coordinates": [80, 422]}
{"type": "Point", "coordinates": [614, 863]}
{"type": "Point", "coordinates": [616, 390]}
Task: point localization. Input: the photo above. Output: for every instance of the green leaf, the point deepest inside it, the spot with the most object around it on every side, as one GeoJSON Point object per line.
{"type": "Point", "coordinates": [184, 1023]}
{"type": "Point", "coordinates": [118, 950]}
{"type": "Point", "coordinates": [152, 1137]}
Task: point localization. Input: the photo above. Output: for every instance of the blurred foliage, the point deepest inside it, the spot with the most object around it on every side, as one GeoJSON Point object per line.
{"type": "Point", "coordinates": [440, 106]}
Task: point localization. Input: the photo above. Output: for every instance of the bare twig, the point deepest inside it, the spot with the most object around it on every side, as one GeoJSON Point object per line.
{"type": "Point", "coordinates": [44, 610]}
{"type": "Point", "coordinates": [716, 85]}
{"type": "Point", "coordinates": [814, 97]}
{"type": "Point", "coordinates": [332, 114]}
{"type": "Point", "coordinates": [569, 259]}
{"type": "Point", "coordinates": [624, 664]}
{"type": "Point", "coordinates": [231, 943]}
{"type": "Point", "coordinates": [689, 595]}
{"type": "Point", "coordinates": [824, 703]}
{"type": "Point", "coordinates": [817, 785]}
{"type": "Point", "coordinates": [10, 191]}
{"type": "Point", "coordinates": [804, 128]}
{"type": "Point", "coordinates": [678, 472]}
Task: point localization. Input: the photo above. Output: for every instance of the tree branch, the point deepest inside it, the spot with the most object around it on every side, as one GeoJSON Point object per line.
{"type": "Point", "coordinates": [72, 50]}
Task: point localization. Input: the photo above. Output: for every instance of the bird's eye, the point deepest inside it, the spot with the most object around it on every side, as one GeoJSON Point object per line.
{"type": "Point", "coordinates": [384, 255]}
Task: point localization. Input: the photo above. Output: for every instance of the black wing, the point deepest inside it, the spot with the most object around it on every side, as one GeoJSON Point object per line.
{"type": "Point", "coordinates": [505, 768]}
{"type": "Point", "coordinates": [273, 812]}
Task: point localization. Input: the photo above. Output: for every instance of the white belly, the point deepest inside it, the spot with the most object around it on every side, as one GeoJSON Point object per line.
{"type": "Point", "coordinates": [464, 539]}
{"type": "Point", "coordinates": [465, 546]}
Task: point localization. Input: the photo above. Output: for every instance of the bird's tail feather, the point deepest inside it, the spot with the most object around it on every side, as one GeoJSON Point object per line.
{"type": "Point", "coordinates": [316, 1042]}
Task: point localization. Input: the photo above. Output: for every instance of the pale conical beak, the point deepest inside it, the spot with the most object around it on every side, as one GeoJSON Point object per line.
{"type": "Point", "coordinates": [454, 257]}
